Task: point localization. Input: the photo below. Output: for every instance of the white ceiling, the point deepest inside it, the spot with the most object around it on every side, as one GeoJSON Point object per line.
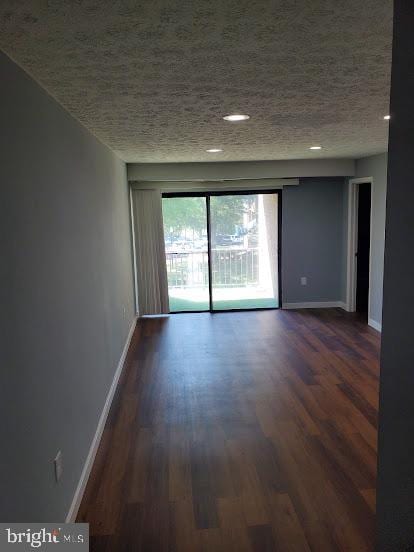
{"type": "Point", "coordinates": [152, 79]}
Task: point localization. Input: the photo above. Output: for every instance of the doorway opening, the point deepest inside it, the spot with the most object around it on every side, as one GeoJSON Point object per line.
{"type": "Point", "coordinates": [222, 250]}
{"type": "Point", "coordinates": [363, 249]}
{"type": "Point", "coordinates": [359, 246]}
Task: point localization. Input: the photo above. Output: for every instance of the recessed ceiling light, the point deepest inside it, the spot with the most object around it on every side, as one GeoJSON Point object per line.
{"type": "Point", "coordinates": [315, 147]}
{"type": "Point", "coordinates": [387, 117]}
{"type": "Point", "coordinates": [214, 150]}
{"type": "Point", "coordinates": [236, 117]}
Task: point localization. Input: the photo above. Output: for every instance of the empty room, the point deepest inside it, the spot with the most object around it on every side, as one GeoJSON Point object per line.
{"type": "Point", "coordinates": [206, 276]}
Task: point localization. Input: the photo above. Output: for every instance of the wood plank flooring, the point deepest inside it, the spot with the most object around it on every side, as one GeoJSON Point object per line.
{"type": "Point", "coordinates": [250, 431]}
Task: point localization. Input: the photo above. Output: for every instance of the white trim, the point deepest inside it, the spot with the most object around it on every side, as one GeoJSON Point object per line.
{"type": "Point", "coordinates": [80, 489]}
{"type": "Point", "coordinates": [362, 180]}
{"type": "Point", "coordinates": [351, 271]}
{"type": "Point", "coordinates": [374, 324]}
{"type": "Point", "coordinates": [315, 305]}
{"type": "Point", "coordinates": [351, 246]}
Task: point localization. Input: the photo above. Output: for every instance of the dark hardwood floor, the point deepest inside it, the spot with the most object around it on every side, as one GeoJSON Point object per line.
{"type": "Point", "coordinates": [250, 431]}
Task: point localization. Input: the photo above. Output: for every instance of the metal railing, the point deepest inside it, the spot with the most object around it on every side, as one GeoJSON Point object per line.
{"type": "Point", "coordinates": [231, 267]}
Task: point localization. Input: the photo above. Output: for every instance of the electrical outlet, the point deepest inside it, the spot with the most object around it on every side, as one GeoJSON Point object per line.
{"type": "Point", "coordinates": [303, 281]}
{"type": "Point", "coordinates": [58, 463]}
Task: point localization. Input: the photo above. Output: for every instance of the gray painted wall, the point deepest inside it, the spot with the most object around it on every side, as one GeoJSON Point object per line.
{"type": "Point", "coordinates": [312, 240]}
{"type": "Point", "coordinates": [65, 278]}
{"type": "Point", "coordinates": [376, 166]}
{"type": "Point", "coordinates": [395, 496]}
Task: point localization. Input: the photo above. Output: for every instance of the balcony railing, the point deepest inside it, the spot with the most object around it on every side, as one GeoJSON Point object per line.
{"type": "Point", "coordinates": [231, 267]}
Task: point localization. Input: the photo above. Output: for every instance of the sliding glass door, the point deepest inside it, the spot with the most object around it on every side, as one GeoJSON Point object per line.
{"type": "Point", "coordinates": [222, 250]}
{"type": "Point", "coordinates": [244, 251]}
{"type": "Point", "coordinates": [186, 248]}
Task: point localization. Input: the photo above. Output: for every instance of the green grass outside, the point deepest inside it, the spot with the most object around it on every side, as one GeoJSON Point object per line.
{"type": "Point", "coordinates": [177, 304]}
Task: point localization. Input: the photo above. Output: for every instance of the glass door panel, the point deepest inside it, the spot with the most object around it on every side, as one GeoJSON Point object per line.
{"type": "Point", "coordinates": [186, 247]}
{"type": "Point", "coordinates": [244, 251]}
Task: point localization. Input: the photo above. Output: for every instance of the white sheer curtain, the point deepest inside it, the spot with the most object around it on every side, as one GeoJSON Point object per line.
{"type": "Point", "coordinates": [151, 269]}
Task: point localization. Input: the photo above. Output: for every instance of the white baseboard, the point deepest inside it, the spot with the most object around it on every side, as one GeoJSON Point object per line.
{"type": "Point", "coordinates": [374, 324]}
{"type": "Point", "coordinates": [315, 305]}
{"type": "Point", "coordinates": [80, 489]}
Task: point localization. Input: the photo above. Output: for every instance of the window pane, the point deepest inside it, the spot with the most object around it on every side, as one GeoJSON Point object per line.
{"type": "Point", "coordinates": [185, 233]}
{"type": "Point", "coordinates": [244, 254]}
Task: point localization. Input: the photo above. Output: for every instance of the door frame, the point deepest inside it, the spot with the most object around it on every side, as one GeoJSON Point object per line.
{"type": "Point", "coordinates": [207, 195]}
{"type": "Point", "coordinates": [351, 272]}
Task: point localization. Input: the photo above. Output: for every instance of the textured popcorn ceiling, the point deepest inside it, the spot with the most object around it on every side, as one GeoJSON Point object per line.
{"type": "Point", "coordinates": [152, 79]}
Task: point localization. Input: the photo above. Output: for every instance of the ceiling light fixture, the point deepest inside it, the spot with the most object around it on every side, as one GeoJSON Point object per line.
{"type": "Point", "coordinates": [315, 147]}
{"type": "Point", "coordinates": [236, 117]}
{"type": "Point", "coordinates": [387, 117]}
{"type": "Point", "coordinates": [214, 150]}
